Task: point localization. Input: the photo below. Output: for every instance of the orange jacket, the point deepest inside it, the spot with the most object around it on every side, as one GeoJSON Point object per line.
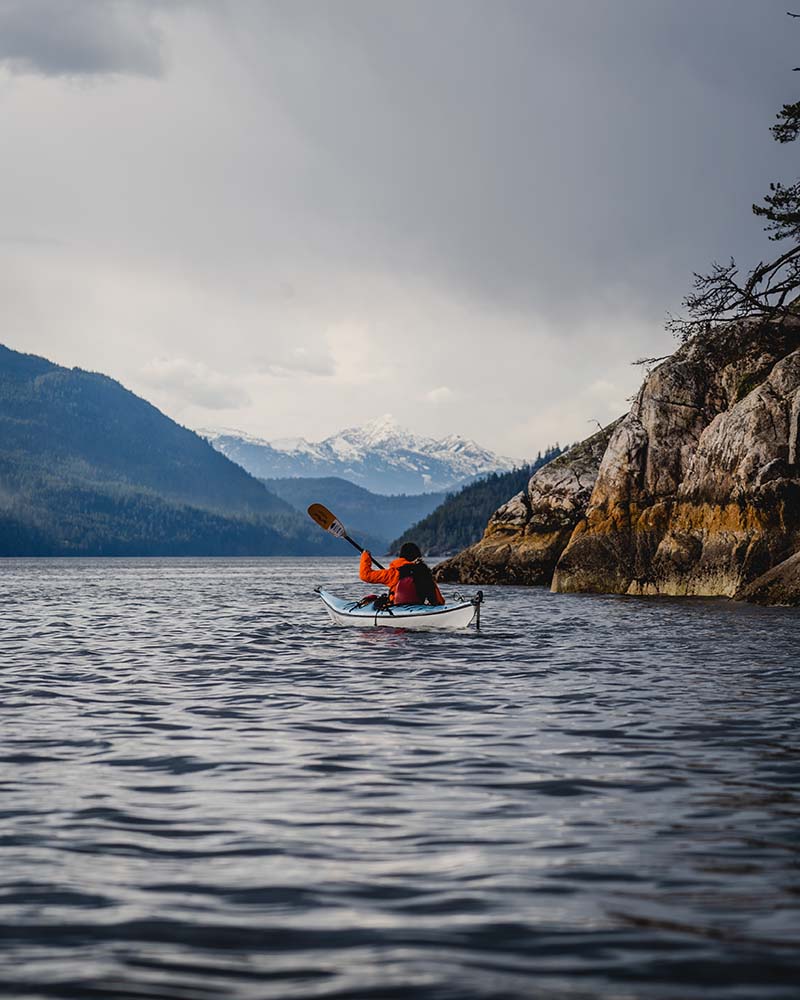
{"type": "Point", "coordinates": [388, 577]}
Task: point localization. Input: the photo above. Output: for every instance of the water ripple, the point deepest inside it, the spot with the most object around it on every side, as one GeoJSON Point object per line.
{"type": "Point", "coordinates": [209, 792]}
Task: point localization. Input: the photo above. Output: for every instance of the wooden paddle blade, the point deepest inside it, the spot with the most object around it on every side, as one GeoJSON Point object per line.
{"type": "Point", "coordinates": [329, 522]}
{"type": "Point", "coordinates": [326, 520]}
{"type": "Point", "coordinates": [321, 515]}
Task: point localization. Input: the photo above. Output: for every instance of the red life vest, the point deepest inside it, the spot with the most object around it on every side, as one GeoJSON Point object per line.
{"type": "Point", "coordinates": [408, 582]}
{"type": "Point", "coordinates": [415, 585]}
{"type": "Point", "coordinates": [406, 590]}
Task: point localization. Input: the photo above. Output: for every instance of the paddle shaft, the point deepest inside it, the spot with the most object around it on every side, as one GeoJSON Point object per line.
{"type": "Point", "coordinates": [330, 522]}
{"type": "Point", "coordinates": [357, 546]}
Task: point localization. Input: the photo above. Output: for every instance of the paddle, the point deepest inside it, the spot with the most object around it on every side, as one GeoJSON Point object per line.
{"type": "Point", "coordinates": [329, 522]}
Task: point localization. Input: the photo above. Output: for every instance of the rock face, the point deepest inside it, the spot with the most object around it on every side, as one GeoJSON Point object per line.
{"type": "Point", "coordinates": [526, 536]}
{"type": "Point", "coordinates": [697, 491]}
{"type": "Point", "coordinates": [779, 585]}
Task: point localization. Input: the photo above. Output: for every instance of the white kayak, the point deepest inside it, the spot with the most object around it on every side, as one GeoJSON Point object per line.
{"type": "Point", "coordinates": [444, 616]}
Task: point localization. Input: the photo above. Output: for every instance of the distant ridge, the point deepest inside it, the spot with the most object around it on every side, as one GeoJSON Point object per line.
{"type": "Point", "coordinates": [381, 456]}
{"type": "Point", "coordinates": [460, 520]}
{"type": "Point", "coordinates": [371, 518]}
{"type": "Point", "coordinates": [89, 468]}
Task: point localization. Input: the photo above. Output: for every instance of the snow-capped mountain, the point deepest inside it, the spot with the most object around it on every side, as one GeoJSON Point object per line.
{"type": "Point", "coordinates": [380, 456]}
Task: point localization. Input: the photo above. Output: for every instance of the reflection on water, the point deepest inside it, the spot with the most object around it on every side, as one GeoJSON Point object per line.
{"type": "Point", "coordinates": [208, 791]}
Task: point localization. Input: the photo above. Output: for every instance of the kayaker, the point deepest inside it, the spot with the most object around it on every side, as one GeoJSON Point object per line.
{"type": "Point", "coordinates": [408, 578]}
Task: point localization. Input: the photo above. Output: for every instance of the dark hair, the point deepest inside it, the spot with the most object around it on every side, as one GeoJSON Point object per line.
{"type": "Point", "coordinates": [410, 551]}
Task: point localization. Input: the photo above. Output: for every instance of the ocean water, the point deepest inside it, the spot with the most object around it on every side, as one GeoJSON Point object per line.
{"type": "Point", "coordinates": [208, 791]}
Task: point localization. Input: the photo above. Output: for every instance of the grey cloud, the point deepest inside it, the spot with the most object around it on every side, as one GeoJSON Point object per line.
{"type": "Point", "coordinates": [288, 369]}
{"type": "Point", "coordinates": [287, 359]}
{"type": "Point", "coordinates": [533, 153]}
{"type": "Point", "coordinates": [498, 196]}
{"type": "Point", "coordinates": [195, 383]}
{"type": "Point", "coordinates": [80, 37]}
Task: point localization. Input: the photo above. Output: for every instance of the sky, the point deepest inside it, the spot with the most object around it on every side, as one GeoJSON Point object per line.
{"type": "Point", "coordinates": [293, 217]}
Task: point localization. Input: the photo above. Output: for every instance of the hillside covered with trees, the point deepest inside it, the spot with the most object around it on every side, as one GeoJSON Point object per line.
{"type": "Point", "coordinates": [460, 520]}
{"type": "Point", "coordinates": [89, 468]}
{"type": "Point", "coordinates": [372, 518]}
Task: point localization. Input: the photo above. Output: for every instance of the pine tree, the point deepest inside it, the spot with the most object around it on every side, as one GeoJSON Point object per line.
{"type": "Point", "coordinates": [770, 291]}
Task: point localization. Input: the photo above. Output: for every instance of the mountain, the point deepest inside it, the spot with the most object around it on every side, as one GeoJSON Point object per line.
{"type": "Point", "coordinates": [380, 456]}
{"type": "Point", "coordinates": [694, 492]}
{"type": "Point", "coordinates": [371, 518]}
{"type": "Point", "coordinates": [460, 520]}
{"type": "Point", "coordinates": [88, 468]}
{"type": "Point", "coordinates": [526, 535]}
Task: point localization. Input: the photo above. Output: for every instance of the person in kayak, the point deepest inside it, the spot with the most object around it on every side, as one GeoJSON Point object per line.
{"type": "Point", "coordinates": [408, 578]}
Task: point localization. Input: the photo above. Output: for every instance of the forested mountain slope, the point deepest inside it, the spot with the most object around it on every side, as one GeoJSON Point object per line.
{"type": "Point", "coordinates": [87, 467]}
{"type": "Point", "coordinates": [372, 518]}
{"type": "Point", "coordinates": [460, 520]}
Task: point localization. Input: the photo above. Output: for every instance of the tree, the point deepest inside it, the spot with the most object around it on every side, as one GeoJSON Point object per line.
{"type": "Point", "coordinates": [769, 292]}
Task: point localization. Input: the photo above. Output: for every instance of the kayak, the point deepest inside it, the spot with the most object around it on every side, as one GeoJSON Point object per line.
{"type": "Point", "coordinates": [444, 616]}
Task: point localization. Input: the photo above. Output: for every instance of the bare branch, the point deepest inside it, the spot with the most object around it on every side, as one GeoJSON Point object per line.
{"type": "Point", "coordinates": [650, 361]}
{"type": "Point", "coordinates": [606, 437]}
{"type": "Point", "coordinates": [770, 291]}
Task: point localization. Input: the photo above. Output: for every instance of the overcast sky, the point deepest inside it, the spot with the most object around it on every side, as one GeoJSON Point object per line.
{"type": "Point", "coordinates": [291, 217]}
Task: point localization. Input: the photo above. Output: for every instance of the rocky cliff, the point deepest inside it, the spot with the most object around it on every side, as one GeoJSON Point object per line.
{"type": "Point", "coordinates": [526, 536]}
{"type": "Point", "coordinates": [697, 490]}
